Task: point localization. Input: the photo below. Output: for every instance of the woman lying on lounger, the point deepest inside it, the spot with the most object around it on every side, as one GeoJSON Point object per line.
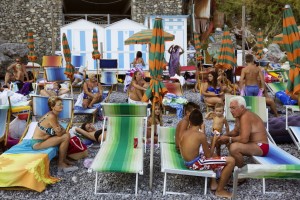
{"type": "Point", "coordinates": [49, 133]}
{"type": "Point", "coordinates": [89, 131]}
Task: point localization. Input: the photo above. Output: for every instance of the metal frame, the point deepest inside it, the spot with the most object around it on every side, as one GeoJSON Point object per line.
{"type": "Point", "coordinates": [294, 137]}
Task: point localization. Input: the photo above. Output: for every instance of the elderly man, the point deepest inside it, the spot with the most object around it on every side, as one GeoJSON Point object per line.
{"type": "Point", "coordinates": [249, 136]}
{"type": "Point", "coordinates": [16, 72]}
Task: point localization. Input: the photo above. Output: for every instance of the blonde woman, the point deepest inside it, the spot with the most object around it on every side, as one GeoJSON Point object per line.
{"type": "Point", "coordinates": [49, 133]}
{"type": "Point", "coordinates": [137, 88]}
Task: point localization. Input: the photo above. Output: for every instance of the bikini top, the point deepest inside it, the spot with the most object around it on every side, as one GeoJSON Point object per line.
{"type": "Point", "coordinates": [212, 89]}
{"type": "Point", "coordinates": [49, 131]}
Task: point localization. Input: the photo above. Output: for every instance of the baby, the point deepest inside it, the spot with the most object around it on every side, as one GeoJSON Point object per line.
{"type": "Point", "coordinates": [218, 123]}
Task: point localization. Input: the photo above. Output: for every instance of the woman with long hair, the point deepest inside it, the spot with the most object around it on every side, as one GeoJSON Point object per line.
{"type": "Point", "coordinates": [138, 62]}
{"type": "Point", "coordinates": [212, 92]}
{"type": "Point", "coordinates": [92, 90]}
{"type": "Point", "coordinates": [137, 88]}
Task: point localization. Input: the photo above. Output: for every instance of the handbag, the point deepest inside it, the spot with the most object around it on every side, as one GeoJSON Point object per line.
{"type": "Point", "coordinates": [77, 149]}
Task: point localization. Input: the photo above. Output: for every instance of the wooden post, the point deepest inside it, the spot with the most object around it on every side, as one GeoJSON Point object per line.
{"type": "Point", "coordinates": [243, 33]}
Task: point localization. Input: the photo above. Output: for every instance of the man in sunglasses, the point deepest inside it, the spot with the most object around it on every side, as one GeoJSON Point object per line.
{"type": "Point", "coordinates": [16, 72]}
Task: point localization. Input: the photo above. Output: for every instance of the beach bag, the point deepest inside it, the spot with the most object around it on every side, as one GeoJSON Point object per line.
{"type": "Point", "coordinates": [285, 99]}
{"type": "Point", "coordinates": [77, 149]}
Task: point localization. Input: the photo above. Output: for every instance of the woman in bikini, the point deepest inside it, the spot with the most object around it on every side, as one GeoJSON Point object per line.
{"type": "Point", "coordinates": [137, 88]}
{"type": "Point", "coordinates": [49, 133]}
{"type": "Point", "coordinates": [92, 90]}
{"type": "Point", "coordinates": [89, 131]}
{"type": "Point", "coordinates": [212, 92]}
{"type": "Point", "coordinates": [157, 121]}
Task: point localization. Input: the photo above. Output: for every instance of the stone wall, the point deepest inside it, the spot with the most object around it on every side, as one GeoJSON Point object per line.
{"type": "Point", "coordinates": [18, 16]}
{"type": "Point", "coordinates": [140, 8]}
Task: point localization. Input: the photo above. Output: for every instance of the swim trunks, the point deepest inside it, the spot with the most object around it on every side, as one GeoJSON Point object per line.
{"type": "Point", "coordinates": [251, 90]}
{"type": "Point", "coordinates": [264, 147]}
{"type": "Point", "coordinates": [202, 163]}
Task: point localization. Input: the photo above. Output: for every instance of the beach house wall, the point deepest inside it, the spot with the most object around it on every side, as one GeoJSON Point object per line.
{"type": "Point", "coordinates": [176, 25]}
{"type": "Point", "coordinates": [114, 47]}
{"type": "Point", "coordinates": [80, 35]}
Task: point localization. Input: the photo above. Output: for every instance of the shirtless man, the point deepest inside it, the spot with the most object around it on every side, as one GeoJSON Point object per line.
{"type": "Point", "coordinates": [249, 136]}
{"type": "Point", "coordinates": [249, 77]}
{"type": "Point", "coordinates": [15, 72]}
{"type": "Point", "coordinates": [184, 123]}
{"type": "Point", "coordinates": [197, 155]}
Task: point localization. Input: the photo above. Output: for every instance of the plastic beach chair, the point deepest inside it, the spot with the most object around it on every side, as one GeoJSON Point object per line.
{"type": "Point", "coordinates": [122, 151]}
{"type": "Point", "coordinates": [294, 131]}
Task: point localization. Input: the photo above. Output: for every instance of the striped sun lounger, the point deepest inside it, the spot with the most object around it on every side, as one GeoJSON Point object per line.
{"type": "Point", "coordinates": [172, 162]}
{"type": "Point", "coordinates": [126, 124]}
{"type": "Point", "coordinates": [294, 131]}
{"type": "Point", "coordinates": [276, 87]}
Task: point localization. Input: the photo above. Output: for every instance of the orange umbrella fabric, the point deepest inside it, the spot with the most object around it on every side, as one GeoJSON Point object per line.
{"type": "Point", "coordinates": [67, 54]}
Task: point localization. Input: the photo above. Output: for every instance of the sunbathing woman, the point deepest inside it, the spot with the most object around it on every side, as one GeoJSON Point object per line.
{"type": "Point", "coordinates": [56, 90]}
{"type": "Point", "coordinates": [89, 131]}
{"type": "Point", "coordinates": [212, 91]}
{"type": "Point", "coordinates": [92, 90]}
{"type": "Point", "coordinates": [137, 88]}
{"type": "Point", "coordinates": [49, 133]}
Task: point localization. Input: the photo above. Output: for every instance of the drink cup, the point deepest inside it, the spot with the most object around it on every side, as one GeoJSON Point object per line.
{"type": "Point", "coordinates": [135, 142]}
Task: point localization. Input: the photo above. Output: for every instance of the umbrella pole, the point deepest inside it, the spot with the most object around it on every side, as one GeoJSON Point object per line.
{"type": "Point", "coordinates": [151, 149]}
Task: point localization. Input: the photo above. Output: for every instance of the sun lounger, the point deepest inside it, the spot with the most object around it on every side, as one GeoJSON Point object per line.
{"type": "Point", "coordinates": [172, 162]}
{"type": "Point", "coordinates": [294, 131]}
{"type": "Point", "coordinates": [23, 167]}
{"type": "Point", "coordinates": [126, 124]}
{"type": "Point", "coordinates": [109, 75]}
{"type": "Point", "coordinates": [277, 164]}
{"type": "Point", "coordinates": [276, 87]}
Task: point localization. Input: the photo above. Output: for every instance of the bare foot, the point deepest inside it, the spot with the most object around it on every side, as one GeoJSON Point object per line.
{"type": "Point", "coordinates": [223, 193]}
{"type": "Point", "coordinates": [63, 165]}
{"type": "Point", "coordinates": [213, 184]}
{"type": "Point", "coordinates": [69, 162]}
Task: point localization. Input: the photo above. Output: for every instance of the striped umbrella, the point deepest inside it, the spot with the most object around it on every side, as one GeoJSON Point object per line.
{"type": "Point", "coordinates": [144, 37]}
{"type": "Point", "coordinates": [67, 54]}
{"type": "Point", "coordinates": [226, 58]}
{"type": "Point", "coordinates": [95, 54]}
{"type": "Point", "coordinates": [157, 89]}
{"type": "Point", "coordinates": [31, 56]}
{"type": "Point", "coordinates": [260, 44]}
{"type": "Point", "coordinates": [198, 46]}
{"type": "Point", "coordinates": [291, 43]}
{"type": "Point", "coordinates": [278, 38]}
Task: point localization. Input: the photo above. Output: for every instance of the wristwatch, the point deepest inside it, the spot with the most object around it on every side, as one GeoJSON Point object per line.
{"type": "Point", "coordinates": [230, 140]}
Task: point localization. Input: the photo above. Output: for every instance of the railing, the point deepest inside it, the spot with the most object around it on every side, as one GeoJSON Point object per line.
{"type": "Point", "coordinates": [95, 18]}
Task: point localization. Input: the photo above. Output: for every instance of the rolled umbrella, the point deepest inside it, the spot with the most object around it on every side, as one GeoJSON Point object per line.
{"type": "Point", "coordinates": [198, 56]}
{"type": "Point", "coordinates": [260, 44]}
{"type": "Point", "coordinates": [226, 58]}
{"type": "Point", "coordinates": [31, 55]}
{"type": "Point", "coordinates": [67, 54]}
{"type": "Point", "coordinates": [157, 89]}
{"type": "Point", "coordinates": [291, 43]}
{"type": "Point", "coordinates": [95, 54]}
{"type": "Point", "coordinates": [145, 36]}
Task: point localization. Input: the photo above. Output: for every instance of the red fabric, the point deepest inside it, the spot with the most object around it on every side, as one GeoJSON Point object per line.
{"type": "Point", "coordinates": [76, 146]}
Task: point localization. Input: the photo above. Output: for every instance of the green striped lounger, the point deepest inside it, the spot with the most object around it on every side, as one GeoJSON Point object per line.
{"type": "Point", "coordinates": [294, 131]}
{"type": "Point", "coordinates": [276, 87]}
{"type": "Point", "coordinates": [126, 123]}
{"type": "Point", "coordinates": [172, 162]}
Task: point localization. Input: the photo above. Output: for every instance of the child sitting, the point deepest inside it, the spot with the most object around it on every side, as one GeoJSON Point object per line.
{"type": "Point", "coordinates": [197, 155]}
{"type": "Point", "coordinates": [218, 122]}
{"type": "Point", "coordinates": [184, 123]}
{"type": "Point", "coordinates": [157, 121]}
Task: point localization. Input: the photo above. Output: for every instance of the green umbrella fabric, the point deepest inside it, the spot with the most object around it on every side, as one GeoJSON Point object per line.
{"type": "Point", "coordinates": [67, 54]}
{"type": "Point", "coordinates": [95, 54]}
{"type": "Point", "coordinates": [291, 43]}
{"type": "Point", "coordinates": [260, 44]}
{"type": "Point", "coordinates": [31, 56]}
{"type": "Point", "coordinates": [198, 46]}
{"type": "Point", "coordinates": [226, 58]}
{"type": "Point", "coordinates": [145, 36]}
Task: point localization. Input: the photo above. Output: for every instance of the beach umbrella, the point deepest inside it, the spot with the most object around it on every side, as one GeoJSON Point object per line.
{"type": "Point", "coordinates": [199, 58]}
{"type": "Point", "coordinates": [157, 89]}
{"type": "Point", "coordinates": [291, 43]}
{"type": "Point", "coordinates": [260, 44]}
{"type": "Point", "coordinates": [67, 54]}
{"type": "Point", "coordinates": [144, 37]}
{"type": "Point", "coordinates": [31, 56]}
{"type": "Point", "coordinates": [278, 38]}
{"type": "Point", "coordinates": [226, 58]}
{"type": "Point", "coordinates": [95, 54]}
